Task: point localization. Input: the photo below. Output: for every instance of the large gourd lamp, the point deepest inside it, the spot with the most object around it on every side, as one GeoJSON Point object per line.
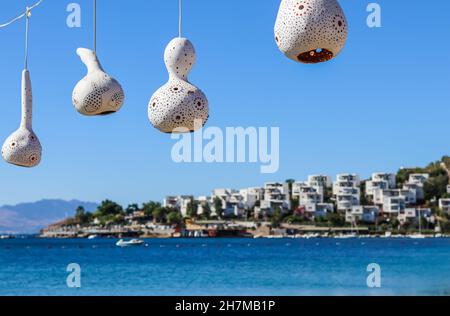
{"type": "Point", "coordinates": [23, 148]}
{"type": "Point", "coordinates": [179, 106]}
{"type": "Point", "coordinates": [97, 93]}
{"type": "Point", "coordinates": [311, 31]}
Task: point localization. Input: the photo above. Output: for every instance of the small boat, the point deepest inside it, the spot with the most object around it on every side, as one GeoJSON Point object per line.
{"type": "Point", "coordinates": [92, 237]}
{"type": "Point", "coordinates": [417, 236]}
{"type": "Point", "coordinates": [133, 242]}
{"type": "Point", "coordinates": [346, 236]}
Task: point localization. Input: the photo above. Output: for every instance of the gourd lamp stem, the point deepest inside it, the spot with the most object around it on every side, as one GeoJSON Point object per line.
{"type": "Point", "coordinates": [27, 101]}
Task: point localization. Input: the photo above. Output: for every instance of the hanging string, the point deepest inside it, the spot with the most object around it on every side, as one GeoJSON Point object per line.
{"type": "Point", "coordinates": [180, 19]}
{"type": "Point", "coordinates": [17, 18]}
{"type": "Point", "coordinates": [95, 26]}
{"type": "Point", "coordinates": [27, 27]}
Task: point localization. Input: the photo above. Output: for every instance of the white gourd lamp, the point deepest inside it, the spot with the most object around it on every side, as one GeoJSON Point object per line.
{"type": "Point", "coordinates": [23, 148]}
{"type": "Point", "coordinates": [97, 93]}
{"type": "Point", "coordinates": [178, 106]}
{"type": "Point", "coordinates": [311, 31]}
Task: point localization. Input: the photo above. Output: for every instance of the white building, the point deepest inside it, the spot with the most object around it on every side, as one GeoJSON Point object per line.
{"type": "Point", "coordinates": [380, 196]}
{"type": "Point", "coordinates": [373, 185]}
{"type": "Point", "coordinates": [276, 195]}
{"type": "Point", "coordinates": [297, 189]}
{"type": "Point", "coordinates": [233, 203]}
{"type": "Point", "coordinates": [203, 203]}
{"type": "Point", "coordinates": [345, 181]}
{"type": "Point", "coordinates": [179, 203]}
{"type": "Point", "coordinates": [320, 182]}
{"type": "Point", "coordinates": [366, 214]}
{"type": "Point", "coordinates": [390, 178]}
{"type": "Point", "coordinates": [444, 205]}
{"type": "Point", "coordinates": [347, 198]}
{"type": "Point", "coordinates": [407, 215]}
{"type": "Point", "coordinates": [309, 195]}
{"type": "Point", "coordinates": [394, 205]}
{"type": "Point", "coordinates": [416, 187]}
{"type": "Point", "coordinates": [382, 181]}
{"type": "Point", "coordinates": [319, 210]}
{"type": "Point", "coordinates": [418, 178]}
{"type": "Point", "coordinates": [251, 196]}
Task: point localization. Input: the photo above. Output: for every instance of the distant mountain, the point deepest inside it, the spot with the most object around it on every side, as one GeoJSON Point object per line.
{"type": "Point", "coordinates": [29, 218]}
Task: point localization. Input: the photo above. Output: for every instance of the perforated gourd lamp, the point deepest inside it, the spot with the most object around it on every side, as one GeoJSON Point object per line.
{"type": "Point", "coordinates": [23, 148]}
{"type": "Point", "coordinates": [311, 31]}
{"type": "Point", "coordinates": [97, 93]}
{"type": "Point", "coordinates": [178, 106]}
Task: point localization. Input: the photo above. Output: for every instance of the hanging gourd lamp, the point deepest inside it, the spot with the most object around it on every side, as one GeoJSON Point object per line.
{"type": "Point", "coordinates": [179, 106]}
{"type": "Point", "coordinates": [23, 148]}
{"type": "Point", "coordinates": [97, 93]}
{"type": "Point", "coordinates": [311, 31]}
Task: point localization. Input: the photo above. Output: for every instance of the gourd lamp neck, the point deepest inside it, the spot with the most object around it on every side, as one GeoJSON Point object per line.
{"type": "Point", "coordinates": [179, 58]}
{"type": "Point", "coordinates": [89, 59]}
{"type": "Point", "coordinates": [27, 101]}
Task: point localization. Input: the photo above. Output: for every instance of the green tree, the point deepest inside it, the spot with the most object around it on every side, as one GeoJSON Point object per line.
{"type": "Point", "coordinates": [218, 206]}
{"type": "Point", "coordinates": [363, 196]}
{"type": "Point", "coordinates": [277, 217]}
{"type": "Point", "coordinates": [403, 175]}
{"type": "Point", "coordinates": [108, 207]}
{"type": "Point", "coordinates": [192, 209]}
{"type": "Point", "coordinates": [206, 211]}
{"type": "Point", "coordinates": [131, 209]}
{"type": "Point", "coordinates": [82, 217]}
{"type": "Point", "coordinates": [295, 203]}
{"type": "Point", "coordinates": [436, 187]}
{"type": "Point", "coordinates": [335, 219]}
{"type": "Point", "coordinates": [149, 207]}
{"type": "Point", "coordinates": [159, 214]}
{"type": "Point", "coordinates": [174, 218]}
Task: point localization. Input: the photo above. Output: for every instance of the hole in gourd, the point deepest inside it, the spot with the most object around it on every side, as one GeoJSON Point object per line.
{"type": "Point", "coordinates": [315, 56]}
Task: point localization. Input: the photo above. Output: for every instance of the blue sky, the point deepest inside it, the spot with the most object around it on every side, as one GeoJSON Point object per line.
{"type": "Point", "coordinates": [382, 104]}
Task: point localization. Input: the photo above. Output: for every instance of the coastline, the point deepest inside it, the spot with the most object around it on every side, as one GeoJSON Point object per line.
{"type": "Point", "coordinates": [229, 230]}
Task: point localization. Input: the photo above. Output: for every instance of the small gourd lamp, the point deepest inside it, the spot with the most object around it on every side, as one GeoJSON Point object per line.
{"type": "Point", "coordinates": [179, 106]}
{"type": "Point", "coordinates": [311, 31]}
{"type": "Point", "coordinates": [97, 93]}
{"type": "Point", "coordinates": [23, 148]}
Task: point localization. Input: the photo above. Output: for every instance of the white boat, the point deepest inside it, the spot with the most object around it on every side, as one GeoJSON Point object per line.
{"type": "Point", "coordinates": [417, 236]}
{"type": "Point", "coordinates": [346, 236]}
{"type": "Point", "coordinates": [92, 237]}
{"type": "Point", "coordinates": [133, 242]}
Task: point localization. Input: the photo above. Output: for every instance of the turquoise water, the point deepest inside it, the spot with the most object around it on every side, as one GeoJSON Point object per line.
{"type": "Point", "coordinates": [226, 267]}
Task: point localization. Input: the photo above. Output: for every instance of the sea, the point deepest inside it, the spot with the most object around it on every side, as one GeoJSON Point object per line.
{"type": "Point", "coordinates": [225, 267]}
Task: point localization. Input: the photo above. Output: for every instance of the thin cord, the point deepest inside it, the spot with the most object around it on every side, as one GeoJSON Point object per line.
{"type": "Point", "coordinates": [17, 18]}
{"type": "Point", "coordinates": [180, 19]}
{"type": "Point", "coordinates": [27, 27]}
{"type": "Point", "coordinates": [95, 26]}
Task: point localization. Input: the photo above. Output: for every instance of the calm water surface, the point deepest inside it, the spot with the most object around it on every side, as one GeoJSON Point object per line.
{"type": "Point", "coordinates": [226, 267]}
